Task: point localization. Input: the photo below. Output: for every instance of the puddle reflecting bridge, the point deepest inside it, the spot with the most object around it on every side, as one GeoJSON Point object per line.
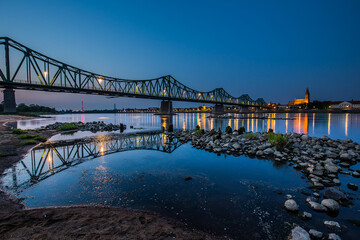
{"type": "Point", "coordinates": [53, 157]}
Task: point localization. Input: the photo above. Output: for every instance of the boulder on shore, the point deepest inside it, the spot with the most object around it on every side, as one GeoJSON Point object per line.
{"type": "Point", "coordinates": [331, 205]}
{"type": "Point", "coordinates": [332, 225]}
{"type": "Point", "coordinates": [317, 206]}
{"type": "Point", "coordinates": [298, 233]}
{"type": "Point", "coordinates": [291, 205]}
{"type": "Point", "coordinates": [334, 193]}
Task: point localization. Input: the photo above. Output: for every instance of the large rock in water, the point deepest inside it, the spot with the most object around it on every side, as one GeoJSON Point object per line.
{"type": "Point", "coordinates": [333, 236]}
{"type": "Point", "coordinates": [331, 168]}
{"type": "Point", "coordinates": [332, 225]}
{"type": "Point", "coordinates": [298, 233]}
{"type": "Point", "coordinates": [316, 234]}
{"type": "Point", "coordinates": [334, 193]}
{"type": "Point", "coordinates": [317, 206]}
{"type": "Point", "coordinates": [291, 205]}
{"type": "Point", "coordinates": [331, 205]}
{"type": "Point", "coordinates": [268, 151]}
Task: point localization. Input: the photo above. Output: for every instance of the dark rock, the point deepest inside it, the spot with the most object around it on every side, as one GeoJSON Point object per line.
{"type": "Point", "coordinates": [331, 205]}
{"type": "Point", "coordinates": [317, 207]}
{"type": "Point", "coordinates": [333, 236]}
{"type": "Point", "coordinates": [298, 233]}
{"type": "Point", "coordinates": [187, 178]}
{"type": "Point", "coordinates": [354, 221]}
{"type": "Point", "coordinates": [315, 234]}
{"type": "Point", "coordinates": [305, 193]}
{"type": "Point", "coordinates": [332, 225]}
{"type": "Point", "coordinates": [305, 215]}
{"type": "Point", "coordinates": [278, 192]}
{"type": "Point", "coordinates": [352, 186]}
{"type": "Point", "coordinates": [291, 205]}
{"type": "Point", "coordinates": [335, 193]}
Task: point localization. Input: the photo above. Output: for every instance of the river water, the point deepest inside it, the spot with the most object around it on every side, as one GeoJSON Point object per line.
{"type": "Point", "coordinates": [143, 169]}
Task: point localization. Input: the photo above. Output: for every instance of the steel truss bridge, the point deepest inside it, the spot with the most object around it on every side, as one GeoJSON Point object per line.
{"type": "Point", "coordinates": [54, 157]}
{"type": "Point", "coordinates": [24, 68]}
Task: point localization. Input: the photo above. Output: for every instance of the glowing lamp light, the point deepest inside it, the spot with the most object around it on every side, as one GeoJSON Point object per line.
{"type": "Point", "coordinates": [100, 80]}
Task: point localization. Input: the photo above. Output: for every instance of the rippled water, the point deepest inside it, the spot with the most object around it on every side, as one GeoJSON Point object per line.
{"type": "Point", "coordinates": [226, 195]}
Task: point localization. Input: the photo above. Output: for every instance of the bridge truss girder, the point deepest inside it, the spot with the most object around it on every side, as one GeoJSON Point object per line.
{"type": "Point", "coordinates": [35, 71]}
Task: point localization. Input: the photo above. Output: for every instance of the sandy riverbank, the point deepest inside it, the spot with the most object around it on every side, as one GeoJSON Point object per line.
{"type": "Point", "coordinates": [76, 222]}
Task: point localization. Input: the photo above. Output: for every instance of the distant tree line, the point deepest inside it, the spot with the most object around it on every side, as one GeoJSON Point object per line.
{"type": "Point", "coordinates": [23, 108]}
{"type": "Point", "coordinates": [319, 104]}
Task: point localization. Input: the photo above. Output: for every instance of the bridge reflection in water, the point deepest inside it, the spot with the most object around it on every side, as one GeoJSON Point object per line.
{"type": "Point", "coordinates": [53, 157]}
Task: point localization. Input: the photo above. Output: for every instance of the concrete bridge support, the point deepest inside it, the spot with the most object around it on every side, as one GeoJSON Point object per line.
{"type": "Point", "coordinates": [218, 109]}
{"type": "Point", "coordinates": [9, 100]}
{"type": "Point", "coordinates": [244, 110]}
{"type": "Point", "coordinates": [166, 107]}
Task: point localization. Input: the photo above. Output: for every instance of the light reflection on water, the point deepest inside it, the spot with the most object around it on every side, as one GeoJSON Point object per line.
{"type": "Point", "coordinates": [147, 172]}
{"type": "Point", "coordinates": [339, 126]}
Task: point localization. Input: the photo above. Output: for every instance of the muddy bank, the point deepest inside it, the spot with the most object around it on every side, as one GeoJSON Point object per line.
{"type": "Point", "coordinates": [77, 222]}
{"type": "Point", "coordinates": [91, 222]}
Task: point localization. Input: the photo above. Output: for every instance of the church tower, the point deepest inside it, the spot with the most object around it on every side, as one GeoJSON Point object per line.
{"type": "Point", "coordinates": [307, 96]}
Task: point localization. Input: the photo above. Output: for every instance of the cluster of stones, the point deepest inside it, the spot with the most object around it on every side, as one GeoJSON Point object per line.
{"type": "Point", "coordinates": [319, 159]}
{"type": "Point", "coordinates": [299, 233]}
{"type": "Point", "coordinates": [89, 126]}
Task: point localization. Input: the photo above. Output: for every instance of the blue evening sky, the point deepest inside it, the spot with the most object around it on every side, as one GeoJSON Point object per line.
{"type": "Point", "coordinates": [269, 49]}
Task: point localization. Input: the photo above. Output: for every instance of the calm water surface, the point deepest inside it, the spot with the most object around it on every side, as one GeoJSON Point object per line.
{"type": "Point", "coordinates": [330, 124]}
{"type": "Point", "coordinates": [227, 195]}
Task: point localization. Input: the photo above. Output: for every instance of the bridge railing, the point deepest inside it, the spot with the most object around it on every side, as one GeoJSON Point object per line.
{"type": "Point", "coordinates": [45, 73]}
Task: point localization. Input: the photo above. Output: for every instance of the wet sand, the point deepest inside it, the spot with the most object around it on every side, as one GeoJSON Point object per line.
{"type": "Point", "coordinates": [76, 222]}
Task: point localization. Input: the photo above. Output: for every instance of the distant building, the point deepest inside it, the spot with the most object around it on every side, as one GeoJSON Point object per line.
{"type": "Point", "coordinates": [345, 105]}
{"type": "Point", "coordinates": [306, 100]}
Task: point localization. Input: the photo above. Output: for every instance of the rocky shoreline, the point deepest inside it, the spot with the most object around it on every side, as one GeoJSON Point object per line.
{"type": "Point", "coordinates": [95, 126]}
{"type": "Point", "coordinates": [320, 160]}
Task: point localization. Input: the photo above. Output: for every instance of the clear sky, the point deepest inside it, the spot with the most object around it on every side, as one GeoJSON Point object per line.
{"type": "Point", "coordinates": [270, 49]}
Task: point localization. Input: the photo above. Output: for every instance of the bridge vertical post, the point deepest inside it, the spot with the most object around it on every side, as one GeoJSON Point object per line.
{"type": "Point", "coordinates": [218, 109]}
{"type": "Point", "coordinates": [7, 60]}
{"type": "Point", "coordinates": [166, 107]}
{"type": "Point", "coordinates": [9, 100]}
{"type": "Point", "coordinates": [9, 93]}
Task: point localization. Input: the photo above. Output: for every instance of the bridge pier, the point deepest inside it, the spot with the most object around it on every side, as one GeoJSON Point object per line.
{"type": "Point", "coordinates": [9, 100]}
{"type": "Point", "coordinates": [166, 107]}
{"type": "Point", "coordinates": [244, 110]}
{"type": "Point", "coordinates": [218, 109]}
